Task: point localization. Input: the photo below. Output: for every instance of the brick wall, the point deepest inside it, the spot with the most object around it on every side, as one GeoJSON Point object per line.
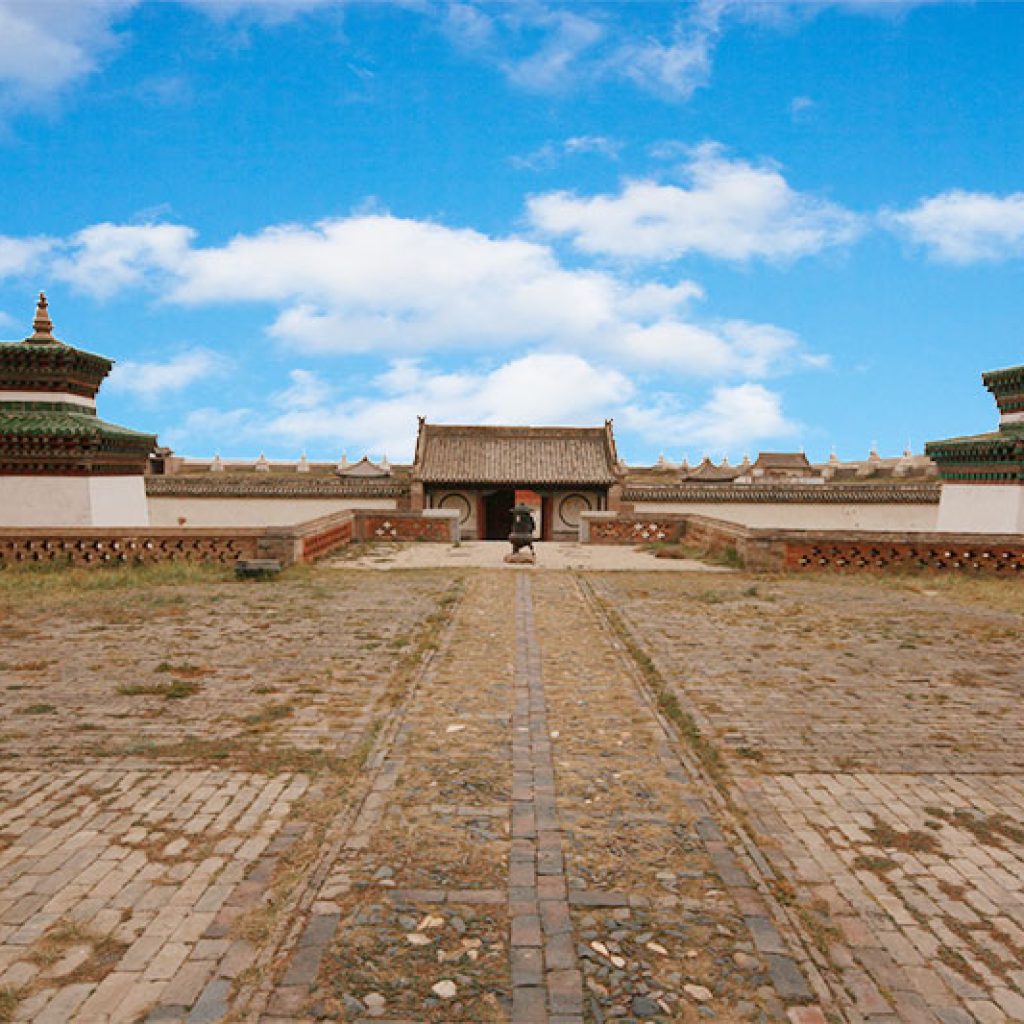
{"type": "Point", "coordinates": [120, 546]}
{"type": "Point", "coordinates": [304, 542]}
{"type": "Point", "coordinates": [813, 550]}
{"type": "Point", "coordinates": [938, 552]}
{"type": "Point", "coordinates": [635, 529]}
{"type": "Point", "coordinates": [404, 526]}
{"type": "Point", "coordinates": [112, 546]}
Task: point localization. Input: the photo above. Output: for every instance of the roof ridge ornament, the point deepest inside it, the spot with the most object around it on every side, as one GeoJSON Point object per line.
{"type": "Point", "coordinates": [42, 324]}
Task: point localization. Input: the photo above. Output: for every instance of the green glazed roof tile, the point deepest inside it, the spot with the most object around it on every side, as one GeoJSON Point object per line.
{"type": "Point", "coordinates": [43, 423]}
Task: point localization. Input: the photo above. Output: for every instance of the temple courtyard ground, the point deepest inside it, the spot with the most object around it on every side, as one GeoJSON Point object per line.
{"type": "Point", "coordinates": [510, 794]}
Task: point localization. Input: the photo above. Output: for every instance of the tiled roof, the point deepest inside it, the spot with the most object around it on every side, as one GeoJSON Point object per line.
{"type": "Point", "coordinates": [819, 494]}
{"type": "Point", "coordinates": [708, 472]}
{"type": "Point", "coordinates": [51, 366]}
{"type": "Point", "coordinates": [47, 423]}
{"type": "Point", "coordinates": [782, 460]}
{"type": "Point", "coordinates": [515, 455]}
{"type": "Point", "coordinates": [234, 485]}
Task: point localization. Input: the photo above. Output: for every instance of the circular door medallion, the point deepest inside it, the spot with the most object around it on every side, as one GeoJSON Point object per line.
{"type": "Point", "coordinates": [460, 503]}
{"type": "Point", "coordinates": [570, 507]}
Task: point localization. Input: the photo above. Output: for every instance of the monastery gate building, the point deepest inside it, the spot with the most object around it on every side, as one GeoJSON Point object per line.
{"type": "Point", "coordinates": [482, 472]}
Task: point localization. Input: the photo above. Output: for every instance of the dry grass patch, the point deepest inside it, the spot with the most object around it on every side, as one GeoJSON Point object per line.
{"type": "Point", "coordinates": [910, 841]}
{"type": "Point", "coordinates": [990, 829]}
{"type": "Point", "coordinates": [38, 709]}
{"type": "Point", "coordinates": [8, 1004]}
{"type": "Point", "coordinates": [178, 690]}
{"type": "Point", "coordinates": [75, 953]}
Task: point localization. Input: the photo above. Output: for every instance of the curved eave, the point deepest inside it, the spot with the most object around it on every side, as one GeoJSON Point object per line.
{"type": "Point", "coordinates": [520, 482]}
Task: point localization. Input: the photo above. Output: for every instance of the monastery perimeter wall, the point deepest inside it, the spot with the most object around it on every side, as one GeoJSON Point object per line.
{"type": "Point", "coordinates": [910, 508]}
{"type": "Point", "coordinates": [813, 550]}
{"type": "Point", "coordinates": [227, 502]}
{"type": "Point", "coordinates": [303, 542]}
{"type": "Point", "coordinates": [227, 513]}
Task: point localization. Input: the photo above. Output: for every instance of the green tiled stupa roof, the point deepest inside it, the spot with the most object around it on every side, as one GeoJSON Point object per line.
{"type": "Point", "coordinates": [48, 422]}
{"type": "Point", "coordinates": [994, 457]}
{"type": "Point", "coordinates": [63, 423]}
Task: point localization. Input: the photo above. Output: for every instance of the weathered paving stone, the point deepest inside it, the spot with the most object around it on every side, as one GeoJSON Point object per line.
{"type": "Point", "coordinates": [527, 791]}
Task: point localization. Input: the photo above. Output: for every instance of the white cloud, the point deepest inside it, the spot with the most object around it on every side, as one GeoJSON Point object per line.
{"type": "Point", "coordinates": [732, 210]}
{"type": "Point", "coordinates": [801, 109]}
{"type": "Point", "coordinates": [22, 255]}
{"type": "Point", "coordinates": [964, 227]}
{"type": "Point", "coordinates": [306, 391]}
{"type": "Point", "coordinates": [536, 389]}
{"type": "Point", "coordinates": [550, 154]}
{"type": "Point", "coordinates": [565, 37]}
{"type": "Point", "coordinates": [539, 388]}
{"type": "Point", "coordinates": [599, 144]}
{"type": "Point", "coordinates": [227, 430]}
{"type": "Point", "coordinates": [151, 381]}
{"type": "Point", "coordinates": [734, 348]}
{"type": "Point", "coordinates": [372, 283]}
{"type": "Point", "coordinates": [675, 69]}
{"type": "Point", "coordinates": [107, 257]}
{"type": "Point", "coordinates": [46, 46]}
{"type": "Point", "coordinates": [550, 47]}
{"type": "Point", "coordinates": [270, 12]}
{"type": "Point", "coordinates": [733, 417]}
{"type": "Point", "coordinates": [391, 286]}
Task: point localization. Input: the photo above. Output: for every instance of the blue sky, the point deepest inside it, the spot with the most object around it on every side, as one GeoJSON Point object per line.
{"type": "Point", "coordinates": [730, 226]}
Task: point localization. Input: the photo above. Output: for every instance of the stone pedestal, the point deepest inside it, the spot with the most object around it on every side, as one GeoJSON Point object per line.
{"type": "Point", "coordinates": [523, 557]}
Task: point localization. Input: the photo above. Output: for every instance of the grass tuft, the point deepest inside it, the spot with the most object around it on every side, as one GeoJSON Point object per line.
{"type": "Point", "coordinates": [178, 690]}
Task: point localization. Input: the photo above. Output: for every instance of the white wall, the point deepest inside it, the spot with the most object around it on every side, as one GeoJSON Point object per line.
{"type": "Point", "coordinates": [49, 501]}
{"type": "Point", "coordinates": [118, 500]}
{"type": "Point", "coordinates": [166, 510]}
{"type": "Point", "coordinates": [786, 516]}
{"type": "Point", "coordinates": [981, 508]}
{"type": "Point", "coordinates": [45, 501]}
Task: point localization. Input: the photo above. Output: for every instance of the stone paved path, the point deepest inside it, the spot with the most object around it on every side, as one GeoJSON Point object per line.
{"type": "Point", "coordinates": [534, 849]}
{"type": "Point", "coordinates": [537, 798]}
{"type": "Point", "coordinates": [874, 746]}
{"type": "Point", "coordinates": [490, 554]}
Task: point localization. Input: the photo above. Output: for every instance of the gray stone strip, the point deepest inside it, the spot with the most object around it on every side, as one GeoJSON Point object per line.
{"type": "Point", "coordinates": [739, 871]}
{"type": "Point", "coordinates": [315, 910]}
{"type": "Point", "coordinates": [547, 985]}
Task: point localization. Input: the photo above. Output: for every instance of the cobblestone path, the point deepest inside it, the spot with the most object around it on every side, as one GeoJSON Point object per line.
{"type": "Point", "coordinates": [515, 796]}
{"type": "Point", "coordinates": [534, 850]}
{"type": "Point", "coordinates": [874, 746]}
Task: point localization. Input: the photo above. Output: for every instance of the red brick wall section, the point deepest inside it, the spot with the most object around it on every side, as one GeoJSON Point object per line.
{"type": "Point", "coordinates": [808, 551]}
{"type": "Point", "coordinates": [636, 530]}
{"type": "Point", "coordinates": [401, 526]}
{"type": "Point", "coordinates": [113, 547]}
{"type": "Point", "coordinates": [316, 545]}
{"type": "Point", "coordinates": [973, 556]}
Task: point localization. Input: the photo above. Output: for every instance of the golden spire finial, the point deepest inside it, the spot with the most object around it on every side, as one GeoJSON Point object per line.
{"type": "Point", "coordinates": [42, 323]}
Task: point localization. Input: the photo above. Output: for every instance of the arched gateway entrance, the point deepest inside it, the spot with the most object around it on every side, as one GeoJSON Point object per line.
{"type": "Point", "coordinates": [483, 472]}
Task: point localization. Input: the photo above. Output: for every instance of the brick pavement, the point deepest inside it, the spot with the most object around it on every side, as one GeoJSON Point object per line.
{"type": "Point", "coordinates": [141, 857]}
{"type": "Point", "coordinates": [483, 881]}
{"type": "Point", "coordinates": [521, 831]}
{"type": "Point", "coordinates": [874, 748]}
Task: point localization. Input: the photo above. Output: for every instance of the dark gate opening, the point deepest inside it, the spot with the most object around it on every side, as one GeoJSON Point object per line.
{"type": "Point", "coordinates": [498, 514]}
